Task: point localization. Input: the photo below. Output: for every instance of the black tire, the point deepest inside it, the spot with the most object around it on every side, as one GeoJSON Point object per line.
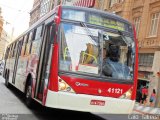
{"type": "Point", "coordinates": [7, 80]}
{"type": "Point", "coordinates": [5, 73]}
{"type": "Point", "coordinates": [28, 96]}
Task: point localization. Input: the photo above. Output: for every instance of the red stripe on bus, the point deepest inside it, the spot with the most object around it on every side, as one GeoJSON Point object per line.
{"type": "Point", "coordinates": [53, 82]}
{"type": "Point", "coordinates": [136, 66]}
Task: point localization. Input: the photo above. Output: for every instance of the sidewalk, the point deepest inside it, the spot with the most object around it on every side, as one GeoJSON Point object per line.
{"type": "Point", "coordinates": [145, 109]}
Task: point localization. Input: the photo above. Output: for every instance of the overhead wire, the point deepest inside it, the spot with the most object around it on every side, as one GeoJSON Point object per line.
{"type": "Point", "coordinates": [18, 14]}
{"type": "Point", "coordinates": [19, 10]}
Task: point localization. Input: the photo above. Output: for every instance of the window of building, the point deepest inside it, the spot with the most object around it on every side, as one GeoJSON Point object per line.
{"type": "Point", "coordinates": [112, 2]}
{"type": "Point", "coordinates": [58, 2]}
{"type": "Point", "coordinates": [146, 59]}
{"type": "Point", "coordinates": [137, 24]}
{"type": "Point", "coordinates": [154, 24]}
{"type": "Point", "coordinates": [45, 6]}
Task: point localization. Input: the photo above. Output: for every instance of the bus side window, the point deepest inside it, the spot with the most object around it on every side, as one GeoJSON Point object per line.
{"type": "Point", "coordinates": [7, 53]}
{"type": "Point", "coordinates": [36, 42]}
{"type": "Point", "coordinates": [31, 42]}
{"type": "Point", "coordinates": [10, 52]}
{"type": "Point", "coordinates": [28, 45]}
{"type": "Point", "coordinates": [9, 47]}
{"type": "Point", "coordinates": [18, 47]}
{"type": "Point", "coordinates": [39, 32]}
{"type": "Point", "coordinates": [15, 49]}
{"type": "Point", "coordinates": [22, 49]}
{"type": "Point", "coordinates": [24, 45]}
{"type": "Point", "coordinates": [52, 32]}
{"type": "Point", "coordinates": [34, 34]}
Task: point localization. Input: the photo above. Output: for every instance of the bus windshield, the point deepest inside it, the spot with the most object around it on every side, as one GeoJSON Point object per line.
{"type": "Point", "coordinates": [82, 51]}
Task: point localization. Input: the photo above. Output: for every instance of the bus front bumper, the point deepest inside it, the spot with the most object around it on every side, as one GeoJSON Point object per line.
{"type": "Point", "coordinates": [88, 103]}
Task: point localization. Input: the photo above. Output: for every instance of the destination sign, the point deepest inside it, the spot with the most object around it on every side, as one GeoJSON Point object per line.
{"type": "Point", "coordinates": [96, 19]}
{"type": "Point", "coordinates": [105, 22]}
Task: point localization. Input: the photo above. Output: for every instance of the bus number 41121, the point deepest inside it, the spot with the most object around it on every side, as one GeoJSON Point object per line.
{"type": "Point", "coordinates": [115, 90]}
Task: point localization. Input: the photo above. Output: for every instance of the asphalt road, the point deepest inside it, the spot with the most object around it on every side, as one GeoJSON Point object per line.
{"type": "Point", "coordinates": [12, 106]}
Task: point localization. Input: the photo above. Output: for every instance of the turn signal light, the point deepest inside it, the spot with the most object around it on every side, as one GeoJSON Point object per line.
{"type": "Point", "coordinates": [127, 95]}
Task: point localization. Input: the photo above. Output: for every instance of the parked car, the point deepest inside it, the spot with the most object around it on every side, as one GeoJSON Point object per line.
{"type": "Point", "coordinates": [1, 67]}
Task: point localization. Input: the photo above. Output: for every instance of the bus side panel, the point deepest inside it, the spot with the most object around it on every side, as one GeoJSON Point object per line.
{"type": "Point", "coordinates": [21, 73]}
{"type": "Point", "coordinates": [34, 58]}
{"type": "Point", "coordinates": [11, 68]}
{"type": "Point", "coordinates": [33, 62]}
{"type": "Point", "coordinates": [28, 65]}
{"type": "Point", "coordinates": [32, 69]}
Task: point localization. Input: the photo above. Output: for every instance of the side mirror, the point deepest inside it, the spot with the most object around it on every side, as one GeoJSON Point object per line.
{"type": "Point", "coordinates": [57, 19]}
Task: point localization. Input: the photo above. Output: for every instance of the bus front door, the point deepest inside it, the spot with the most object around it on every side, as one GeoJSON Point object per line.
{"type": "Point", "coordinates": [45, 60]}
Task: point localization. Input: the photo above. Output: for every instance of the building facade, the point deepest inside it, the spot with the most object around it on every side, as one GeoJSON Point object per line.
{"type": "Point", "coordinates": [46, 6]}
{"type": "Point", "coordinates": [145, 14]}
{"type": "Point", "coordinates": [2, 43]}
{"type": "Point", "coordinates": [35, 12]}
{"type": "Point", "coordinates": [40, 8]}
{"type": "Point", "coordinates": [1, 23]}
{"type": "Point", "coordinates": [4, 40]}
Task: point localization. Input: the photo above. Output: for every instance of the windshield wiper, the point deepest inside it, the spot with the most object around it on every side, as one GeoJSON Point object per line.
{"type": "Point", "coordinates": [124, 39]}
{"type": "Point", "coordinates": [100, 43]}
{"type": "Point", "coordinates": [88, 31]}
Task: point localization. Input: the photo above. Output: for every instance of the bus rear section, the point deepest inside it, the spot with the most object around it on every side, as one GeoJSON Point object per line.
{"type": "Point", "coordinates": [97, 63]}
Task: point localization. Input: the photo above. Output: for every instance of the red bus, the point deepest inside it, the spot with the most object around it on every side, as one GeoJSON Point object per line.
{"type": "Point", "coordinates": [76, 58]}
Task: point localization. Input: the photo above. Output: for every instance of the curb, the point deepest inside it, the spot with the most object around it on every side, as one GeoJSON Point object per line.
{"type": "Point", "coordinates": [146, 110]}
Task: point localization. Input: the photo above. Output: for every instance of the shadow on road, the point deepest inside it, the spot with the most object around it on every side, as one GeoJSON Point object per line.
{"type": "Point", "coordinates": [40, 112]}
{"type": "Point", "coordinates": [57, 114]}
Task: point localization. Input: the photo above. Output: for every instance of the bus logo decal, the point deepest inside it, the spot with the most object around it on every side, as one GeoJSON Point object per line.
{"type": "Point", "coordinates": [81, 84]}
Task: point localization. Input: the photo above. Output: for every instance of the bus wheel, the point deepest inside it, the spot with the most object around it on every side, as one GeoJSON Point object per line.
{"type": "Point", "coordinates": [29, 100]}
{"type": "Point", "coordinates": [7, 80]}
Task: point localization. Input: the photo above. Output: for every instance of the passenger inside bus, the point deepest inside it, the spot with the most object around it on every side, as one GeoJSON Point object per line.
{"type": "Point", "coordinates": [90, 54]}
{"type": "Point", "coordinates": [111, 65]}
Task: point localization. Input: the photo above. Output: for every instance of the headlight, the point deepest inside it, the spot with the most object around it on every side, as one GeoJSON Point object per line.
{"type": "Point", "coordinates": [63, 86]}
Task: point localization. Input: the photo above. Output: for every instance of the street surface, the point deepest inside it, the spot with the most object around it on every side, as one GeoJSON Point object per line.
{"type": "Point", "coordinates": [12, 102]}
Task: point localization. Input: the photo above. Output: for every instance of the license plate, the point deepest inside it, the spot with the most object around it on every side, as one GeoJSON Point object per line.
{"type": "Point", "coordinates": [97, 102]}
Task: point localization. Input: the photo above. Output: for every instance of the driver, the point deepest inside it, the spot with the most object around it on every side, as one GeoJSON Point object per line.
{"type": "Point", "coordinates": [111, 65]}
